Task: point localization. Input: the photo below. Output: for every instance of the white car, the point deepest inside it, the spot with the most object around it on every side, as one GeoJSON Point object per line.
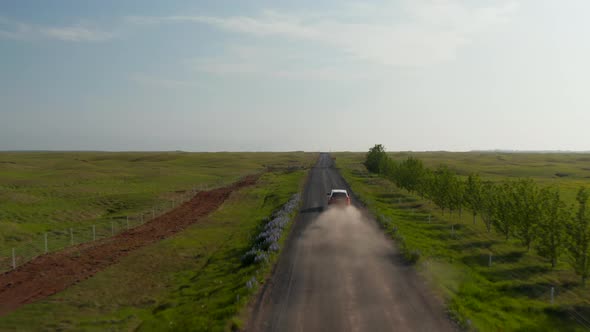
{"type": "Point", "coordinates": [338, 197]}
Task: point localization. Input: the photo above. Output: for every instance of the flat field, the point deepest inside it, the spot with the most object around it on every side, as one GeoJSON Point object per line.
{"type": "Point", "coordinates": [568, 171]}
{"type": "Point", "coordinates": [514, 292]}
{"type": "Point", "coordinates": [191, 281]}
{"type": "Point", "coordinates": [44, 191]}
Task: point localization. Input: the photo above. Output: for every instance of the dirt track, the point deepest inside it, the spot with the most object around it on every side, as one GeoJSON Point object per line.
{"type": "Point", "coordinates": [340, 272]}
{"type": "Point", "coordinates": [51, 273]}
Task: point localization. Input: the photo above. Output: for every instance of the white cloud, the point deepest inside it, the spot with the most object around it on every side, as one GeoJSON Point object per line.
{"type": "Point", "coordinates": [75, 33]}
{"type": "Point", "coordinates": [273, 63]}
{"type": "Point", "coordinates": [428, 32]}
{"type": "Point", "coordinates": [13, 30]}
{"type": "Point", "coordinates": [10, 29]}
{"type": "Point", "coordinates": [228, 65]}
{"type": "Point", "coordinates": [159, 82]}
{"type": "Point", "coordinates": [455, 15]}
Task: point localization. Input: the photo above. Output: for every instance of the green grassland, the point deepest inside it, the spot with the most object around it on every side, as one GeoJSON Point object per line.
{"type": "Point", "coordinates": [193, 281]}
{"type": "Point", "coordinates": [44, 191]}
{"type": "Point", "coordinates": [568, 171]}
{"type": "Point", "coordinates": [513, 294]}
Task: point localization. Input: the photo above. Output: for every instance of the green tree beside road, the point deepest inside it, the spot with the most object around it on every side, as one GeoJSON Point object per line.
{"type": "Point", "coordinates": [551, 225]}
{"type": "Point", "coordinates": [375, 157]}
{"type": "Point", "coordinates": [502, 204]}
{"type": "Point", "coordinates": [519, 208]}
{"type": "Point", "coordinates": [474, 195]}
{"type": "Point", "coordinates": [487, 208]}
{"type": "Point", "coordinates": [578, 231]}
{"type": "Point", "coordinates": [526, 210]}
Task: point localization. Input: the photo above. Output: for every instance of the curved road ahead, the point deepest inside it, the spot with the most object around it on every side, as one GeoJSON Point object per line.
{"type": "Point", "coordinates": [339, 272]}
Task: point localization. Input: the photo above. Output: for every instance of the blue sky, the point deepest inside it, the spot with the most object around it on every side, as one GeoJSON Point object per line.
{"type": "Point", "coordinates": [285, 75]}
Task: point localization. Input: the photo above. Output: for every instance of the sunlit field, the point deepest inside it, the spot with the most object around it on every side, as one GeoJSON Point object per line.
{"type": "Point", "coordinates": [46, 191]}
{"type": "Point", "coordinates": [512, 289]}
{"type": "Point", "coordinates": [195, 280]}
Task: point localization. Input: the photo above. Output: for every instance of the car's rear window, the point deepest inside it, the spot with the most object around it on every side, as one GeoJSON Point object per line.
{"type": "Point", "coordinates": [339, 195]}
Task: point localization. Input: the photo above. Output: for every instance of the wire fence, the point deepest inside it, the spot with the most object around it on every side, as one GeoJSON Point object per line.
{"type": "Point", "coordinates": [545, 289]}
{"type": "Point", "coordinates": [59, 239]}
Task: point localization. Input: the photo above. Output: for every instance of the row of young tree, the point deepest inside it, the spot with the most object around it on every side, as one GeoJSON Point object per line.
{"type": "Point", "coordinates": [536, 216]}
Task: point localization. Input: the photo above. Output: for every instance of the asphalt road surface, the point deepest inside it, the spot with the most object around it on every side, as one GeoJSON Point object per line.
{"type": "Point", "coordinates": [340, 272]}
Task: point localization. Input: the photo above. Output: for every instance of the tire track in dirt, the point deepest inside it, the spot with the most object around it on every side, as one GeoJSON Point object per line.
{"type": "Point", "coordinates": [51, 273]}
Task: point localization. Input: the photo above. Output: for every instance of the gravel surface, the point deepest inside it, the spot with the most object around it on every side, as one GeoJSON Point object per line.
{"type": "Point", "coordinates": [340, 272]}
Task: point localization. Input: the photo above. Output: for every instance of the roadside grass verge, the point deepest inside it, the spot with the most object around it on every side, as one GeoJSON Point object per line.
{"type": "Point", "coordinates": [513, 294]}
{"type": "Point", "coordinates": [194, 281]}
{"type": "Point", "coordinates": [48, 191]}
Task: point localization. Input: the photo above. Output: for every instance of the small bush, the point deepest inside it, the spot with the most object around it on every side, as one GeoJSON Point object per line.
{"type": "Point", "coordinates": [248, 257]}
{"type": "Point", "coordinates": [236, 324]}
{"type": "Point", "coordinates": [251, 283]}
{"type": "Point", "coordinates": [267, 241]}
{"type": "Point", "coordinates": [393, 231]}
{"type": "Point", "coordinates": [412, 256]}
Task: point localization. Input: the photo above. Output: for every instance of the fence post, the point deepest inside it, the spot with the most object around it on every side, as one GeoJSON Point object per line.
{"type": "Point", "coordinates": [490, 260]}
{"type": "Point", "coordinates": [93, 232]}
{"type": "Point", "coordinates": [46, 247]}
{"type": "Point", "coordinates": [13, 259]}
{"type": "Point", "coordinates": [71, 236]}
{"type": "Point", "coordinates": [552, 294]}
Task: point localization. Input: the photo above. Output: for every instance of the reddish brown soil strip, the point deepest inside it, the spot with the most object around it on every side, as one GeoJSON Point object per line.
{"type": "Point", "coordinates": [54, 272]}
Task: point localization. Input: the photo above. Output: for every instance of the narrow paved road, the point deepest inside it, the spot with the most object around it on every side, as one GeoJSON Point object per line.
{"type": "Point", "coordinates": [339, 272]}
